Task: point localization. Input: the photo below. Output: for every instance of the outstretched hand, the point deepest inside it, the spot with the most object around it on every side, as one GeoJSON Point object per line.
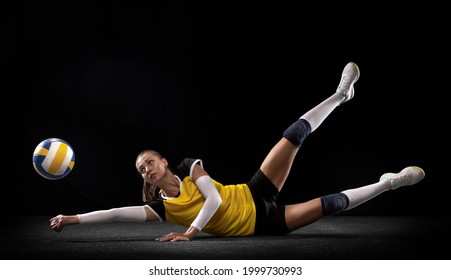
{"type": "Point", "coordinates": [55, 223]}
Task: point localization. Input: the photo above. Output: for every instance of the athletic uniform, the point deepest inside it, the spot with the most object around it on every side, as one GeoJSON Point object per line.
{"type": "Point", "coordinates": [246, 209]}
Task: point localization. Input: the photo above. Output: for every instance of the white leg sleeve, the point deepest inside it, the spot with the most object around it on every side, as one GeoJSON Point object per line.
{"type": "Point", "coordinates": [319, 113]}
{"type": "Point", "coordinates": [360, 195]}
{"type": "Point", "coordinates": [123, 214]}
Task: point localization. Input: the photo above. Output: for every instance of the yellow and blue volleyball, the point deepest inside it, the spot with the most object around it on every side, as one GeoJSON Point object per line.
{"type": "Point", "coordinates": [53, 158]}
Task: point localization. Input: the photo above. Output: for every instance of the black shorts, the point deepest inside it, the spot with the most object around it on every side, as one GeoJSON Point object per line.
{"type": "Point", "coordinates": [270, 217]}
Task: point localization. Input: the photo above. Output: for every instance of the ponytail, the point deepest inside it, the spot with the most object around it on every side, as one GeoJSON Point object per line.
{"type": "Point", "coordinates": [150, 191]}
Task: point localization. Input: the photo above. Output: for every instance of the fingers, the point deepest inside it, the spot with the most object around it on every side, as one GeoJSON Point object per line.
{"type": "Point", "coordinates": [55, 220]}
{"type": "Point", "coordinates": [55, 223]}
{"type": "Point", "coordinates": [174, 236]}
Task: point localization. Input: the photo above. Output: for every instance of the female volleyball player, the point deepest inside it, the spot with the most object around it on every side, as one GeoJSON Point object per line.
{"type": "Point", "coordinates": [187, 196]}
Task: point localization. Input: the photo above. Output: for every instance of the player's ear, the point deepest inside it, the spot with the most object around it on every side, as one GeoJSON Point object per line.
{"type": "Point", "coordinates": [166, 163]}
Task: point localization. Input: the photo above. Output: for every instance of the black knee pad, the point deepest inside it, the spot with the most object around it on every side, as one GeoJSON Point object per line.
{"type": "Point", "coordinates": [297, 132]}
{"type": "Point", "coordinates": [333, 204]}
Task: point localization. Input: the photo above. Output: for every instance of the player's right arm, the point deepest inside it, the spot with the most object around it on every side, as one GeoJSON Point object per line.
{"type": "Point", "coordinates": [122, 214]}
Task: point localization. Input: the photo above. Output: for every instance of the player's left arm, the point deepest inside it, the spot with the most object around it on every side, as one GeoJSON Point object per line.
{"type": "Point", "coordinates": [212, 198]}
{"type": "Point", "coordinates": [212, 202]}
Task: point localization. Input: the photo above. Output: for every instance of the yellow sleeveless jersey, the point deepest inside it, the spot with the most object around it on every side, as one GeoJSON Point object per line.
{"type": "Point", "coordinates": [235, 217]}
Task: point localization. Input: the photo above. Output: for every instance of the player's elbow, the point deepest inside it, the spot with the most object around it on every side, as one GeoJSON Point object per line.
{"type": "Point", "coordinates": [216, 201]}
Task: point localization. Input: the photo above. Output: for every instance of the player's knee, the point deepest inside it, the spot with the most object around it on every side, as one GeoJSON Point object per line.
{"type": "Point", "coordinates": [297, 132]}
{"type": "Point", "coordinates": [333, 204]}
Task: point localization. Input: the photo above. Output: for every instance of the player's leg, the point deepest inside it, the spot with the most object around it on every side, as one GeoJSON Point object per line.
{"type": "Point", "coordinates": [278, 162]}
{"type": "Point", "coordinates": [302, 214]}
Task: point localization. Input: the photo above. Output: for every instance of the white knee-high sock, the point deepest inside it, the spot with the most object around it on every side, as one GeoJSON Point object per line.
{"type": "Point", "coordinates": [123, 214]}
{"type": "Point", "coordinates": [319, 113]}
{"type": "Point", "coordinates": [360, 195]}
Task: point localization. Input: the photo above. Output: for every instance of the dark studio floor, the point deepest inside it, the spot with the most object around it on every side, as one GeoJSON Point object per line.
{"type": "Point", "coordinates": [332, 238]}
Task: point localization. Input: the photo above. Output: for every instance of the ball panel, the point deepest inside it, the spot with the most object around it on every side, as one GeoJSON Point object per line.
{"type": "Point", "coordinates": [41, 151]}
{"type": "Point", "coordinates": [54, 162]}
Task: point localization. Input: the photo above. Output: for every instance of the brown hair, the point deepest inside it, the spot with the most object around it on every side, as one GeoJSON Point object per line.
{"type": "Point", "coordinates": [149, 191]}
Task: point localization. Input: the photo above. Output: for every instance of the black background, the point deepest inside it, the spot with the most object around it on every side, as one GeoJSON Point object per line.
{"type": "Point", "coordinates": [221, 80]}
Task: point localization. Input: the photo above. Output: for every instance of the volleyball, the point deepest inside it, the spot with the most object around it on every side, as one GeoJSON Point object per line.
{"type": "Point", "coordinates": [53, 158]}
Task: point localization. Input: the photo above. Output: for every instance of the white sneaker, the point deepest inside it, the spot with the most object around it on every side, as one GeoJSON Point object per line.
{"type": "Point", "coordinates": [349, 76]}
{"type": "Point", "coordinates": [408, 176]}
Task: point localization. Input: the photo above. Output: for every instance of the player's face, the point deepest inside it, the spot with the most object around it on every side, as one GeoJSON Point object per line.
{"type": "Point", "coordinates": [151, 167]}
